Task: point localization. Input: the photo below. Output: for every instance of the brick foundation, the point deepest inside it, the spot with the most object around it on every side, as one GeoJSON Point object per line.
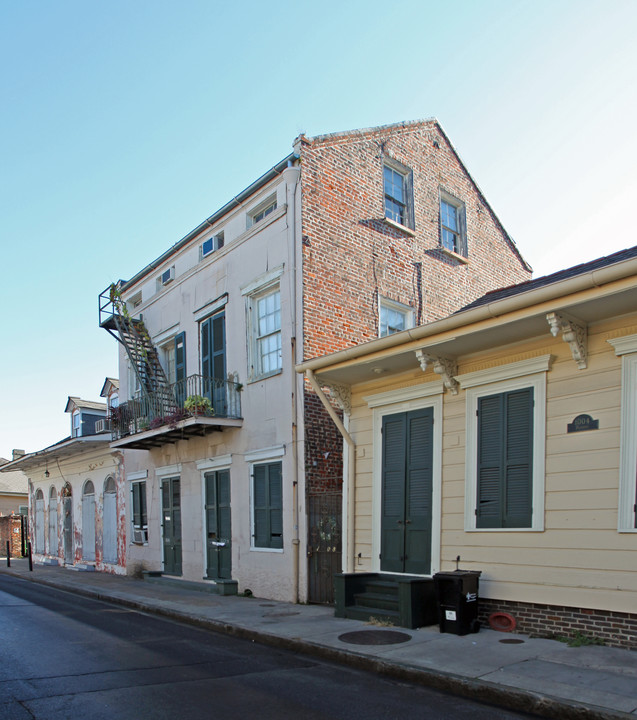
{"type": "Point", "coordinates": [612, 628]}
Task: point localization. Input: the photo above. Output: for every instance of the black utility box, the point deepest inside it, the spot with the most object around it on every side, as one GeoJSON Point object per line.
{"type": "Point", "coordinates": [457, 597]}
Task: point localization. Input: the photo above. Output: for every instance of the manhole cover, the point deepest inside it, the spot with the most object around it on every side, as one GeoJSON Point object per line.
{"type": "Point", "coordinates": [374, 637]}
{"type": "Point", "coordinates": [511, 641]}
{"type": "Point", "coordinates": [267, 605]}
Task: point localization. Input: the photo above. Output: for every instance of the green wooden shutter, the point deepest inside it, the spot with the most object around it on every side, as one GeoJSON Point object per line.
{"type": "Point", "coordinates": [180, 368]}
{"type": "Point", "coordinates": [275, 491]}
{"type": "Point", "coordinates": [260, 498]}
{"type": "Point", "coordinates": [490, 452]}
{"type": "Point", "coordinates": [518, 459]}
{"type": "Point", "coordinates": [137, 517]}
{"type": "Point", "coordinates": [418, 493]}
{"type": "Point", "coordinates": [218, 362]}
{"type": "Point", "coordinates": [505, 460]}
{"type": "Point", "coordinates": [410, 220]}
{"type": "Point", "coordinates": [392, 538]}
{"type": "Point", "coordinates": [463, 248]}
{"type": "Point", "coordinates": [224, 523]}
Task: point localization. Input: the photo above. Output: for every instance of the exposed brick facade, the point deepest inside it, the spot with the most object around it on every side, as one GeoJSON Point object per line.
{"type": "Point", "coordinates": [612, 628]}
{"type": "Point", "coordinates": [11, 530]}
{"type": "Point", "coordinates": [323, 449]}
{"type": "Point", "coordinates": [352, 257]}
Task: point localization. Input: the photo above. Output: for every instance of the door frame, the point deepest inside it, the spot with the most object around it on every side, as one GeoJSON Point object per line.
{"type": "Point", "coordinates": [222, 462]}
{"type": "Point", "coordinates": [427, 395]}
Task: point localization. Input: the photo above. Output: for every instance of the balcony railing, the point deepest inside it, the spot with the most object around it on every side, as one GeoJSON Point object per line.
{"type": "Point", "coordinates": [196, 396]}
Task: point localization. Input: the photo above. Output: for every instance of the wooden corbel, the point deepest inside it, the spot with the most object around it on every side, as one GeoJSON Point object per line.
{"type": "Point", "coordinates": [573, 332]}
{"type": "Point", "coordinates": [445, 367]}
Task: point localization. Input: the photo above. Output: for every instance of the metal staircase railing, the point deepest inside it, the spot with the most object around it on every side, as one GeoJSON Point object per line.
{"type": "Point", "coordinates": [141, 351]}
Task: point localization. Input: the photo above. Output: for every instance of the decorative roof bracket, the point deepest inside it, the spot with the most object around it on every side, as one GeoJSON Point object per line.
{"type": "Point", "coordinates": [342, 394]}
{"type": "Point", "coordinates": [445, 367]}
{"type": "Point", "coordinates": [573, 332]}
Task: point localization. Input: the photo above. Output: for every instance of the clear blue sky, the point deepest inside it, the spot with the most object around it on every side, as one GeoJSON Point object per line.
{"type": "Point", "coordinates": [124, 124]}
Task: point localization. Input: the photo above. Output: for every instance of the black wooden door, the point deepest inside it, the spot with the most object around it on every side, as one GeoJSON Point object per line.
{"type": "Point", "coordinates": [218, 528]}
{"type": "Point", "coordinates": [171, 509]}
{"type": "Point", "coordinates": [407, 492]}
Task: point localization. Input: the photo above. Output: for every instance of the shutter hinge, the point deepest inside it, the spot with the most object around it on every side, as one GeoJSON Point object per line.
{"type": "Point", "coordinates": [380, 557]}
{"type": "Point", "coordinates": [475, 511]}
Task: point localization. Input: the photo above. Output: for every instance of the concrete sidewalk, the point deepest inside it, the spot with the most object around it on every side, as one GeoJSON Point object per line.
{"type": "Point", "coordinates": [532, 675]}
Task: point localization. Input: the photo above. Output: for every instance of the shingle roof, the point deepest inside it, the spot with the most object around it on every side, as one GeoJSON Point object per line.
{"type": "Point", "coordinates": [555, 277]}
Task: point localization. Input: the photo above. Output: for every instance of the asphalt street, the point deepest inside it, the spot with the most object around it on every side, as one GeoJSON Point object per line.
{"type": "Point", "coordinates": [70, 657]}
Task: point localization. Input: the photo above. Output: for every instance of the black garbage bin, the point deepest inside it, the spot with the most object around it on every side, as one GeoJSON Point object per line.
{"type": "Point", "coordinates": [457, 597]}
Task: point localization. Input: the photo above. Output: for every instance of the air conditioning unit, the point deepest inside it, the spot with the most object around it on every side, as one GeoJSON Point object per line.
{"type": "Point", "coordinates": [140, 537]}
{"type": "Point", "coordinates": [168, 276]}
{"type": "Point", "coordinates": [102, 425]}
{"type": "Point", "coordinates": [211, 244]}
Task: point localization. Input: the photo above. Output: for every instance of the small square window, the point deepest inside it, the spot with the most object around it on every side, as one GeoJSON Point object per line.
{"type": "Point", "coordinates": [210, 245]}
{"type": "Point", "coordinates": [394, 317]}
{"type": "Point", "coordinates": [398, 193]}
{"type": "Point", "coordinates": [452, 225]}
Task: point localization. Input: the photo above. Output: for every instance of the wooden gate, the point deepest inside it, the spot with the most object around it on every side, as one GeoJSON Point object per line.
{"type": "Point", "coordinates": [324, 545]}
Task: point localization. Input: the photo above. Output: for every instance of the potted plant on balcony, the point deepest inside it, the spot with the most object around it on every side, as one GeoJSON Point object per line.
{"type": "Point", "coordinates": [199, 405]}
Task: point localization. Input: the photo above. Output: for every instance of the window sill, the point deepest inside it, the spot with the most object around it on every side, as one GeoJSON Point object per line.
{"type": "Point", "coordinates": [455, 255]}
{"type": "Point", "coordinates": [258, 378]}
{"type": "Point", "coordinates": [398, 226]}
{"type": "Point", "coordinates": [266, 549]}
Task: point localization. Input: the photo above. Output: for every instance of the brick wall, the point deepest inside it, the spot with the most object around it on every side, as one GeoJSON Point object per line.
{"type": "Point", "coordinates": [323, 449]}
{"type": "Point", "coordinates": [351, 257]}
{"type": "Point", "coordinates": [613, 628]}
{"type": "Point", "coordinates": [10, 529]}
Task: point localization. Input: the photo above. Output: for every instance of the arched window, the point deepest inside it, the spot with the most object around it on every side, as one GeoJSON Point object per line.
{"type": "Point", "coordinates": [39, 521]}
{"type": "Point", "coordinates": [53, 522]}
{"type": "Point", "coordinates": [89, 488]}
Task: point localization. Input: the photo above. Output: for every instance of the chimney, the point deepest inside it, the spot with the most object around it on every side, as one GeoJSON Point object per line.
{"type": "Point", "coordinates": [18, 454]}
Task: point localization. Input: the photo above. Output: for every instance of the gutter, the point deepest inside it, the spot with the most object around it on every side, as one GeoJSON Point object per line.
{"type": "Point", "coordinates": [272, 173]}
{"type": "Point", "coordinates": [560, 289]}
{"type": "Point", "coordinates": [351, 468]}
{"type": "Point", "coordinates": [24, 462]}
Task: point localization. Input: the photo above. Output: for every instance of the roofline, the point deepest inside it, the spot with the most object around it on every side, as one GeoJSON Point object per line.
{"type": "Point", "coordinates": [484, 199]}
{"type": "Point", "coordinates": [412, 123]}
{"type": "Point", "coordinates": [367, 130]}
{"type": "Point", "coordinates": [465, 318]}
{"type": "Point", "coordinates": [267, 177]}
{"type": "Point", "coordinates": [46, 453]}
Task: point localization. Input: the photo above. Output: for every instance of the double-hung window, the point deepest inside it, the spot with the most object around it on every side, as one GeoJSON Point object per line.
{"type": "Point", "coordinates": [506, 426]}
{"type": "Point", "coordinates": [261, 211]}
{"type": "Point", "coordinates": [398, 193]}
{"type": "Point", "coordinates": [140, 517]}
{"type": "Point", "coordinates": [267, 506]}
{"type": "Point", "coordinates": [265, 310]}
{"type": "Point", "coordinates": [452, 224]}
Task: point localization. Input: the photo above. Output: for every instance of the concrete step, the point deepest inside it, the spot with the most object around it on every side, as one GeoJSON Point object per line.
{"type": "Point", "coordinates": [377, 600]}
{"type": "Point", "coordinates": [356, 612]}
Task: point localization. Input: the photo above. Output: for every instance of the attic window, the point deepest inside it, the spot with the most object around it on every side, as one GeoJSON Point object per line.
{"type": "Point", "coordinates": [261, 211]}
{"type": "Point", "coordinates": [135, 301]}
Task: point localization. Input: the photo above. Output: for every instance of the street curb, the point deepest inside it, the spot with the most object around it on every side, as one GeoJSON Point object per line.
{"type": "Point", "coordinates": [513, 699]}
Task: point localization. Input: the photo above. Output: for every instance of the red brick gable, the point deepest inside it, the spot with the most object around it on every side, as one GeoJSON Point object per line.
{"type": "Point", "coordinates": [352, 257]}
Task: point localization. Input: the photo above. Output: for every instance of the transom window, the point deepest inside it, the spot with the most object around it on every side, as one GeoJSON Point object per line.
{"type": "Point", "coordinates": [261, 211]}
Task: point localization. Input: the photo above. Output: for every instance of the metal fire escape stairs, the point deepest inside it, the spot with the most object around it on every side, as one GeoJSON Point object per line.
{"type": "Point", "coordinates": [141, 352]}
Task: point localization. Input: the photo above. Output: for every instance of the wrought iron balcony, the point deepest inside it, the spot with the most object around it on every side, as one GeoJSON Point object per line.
{"type": "Point", "coordinates": [190, 407]}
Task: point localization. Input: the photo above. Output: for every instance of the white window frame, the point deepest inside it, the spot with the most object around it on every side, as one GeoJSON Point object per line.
{"type": "Point", "coordinates": [169, 360]}
{"type": "Point", "coordinates": [461, 231]}
{"type": "Point", "coordinates": [408, 205]}
{"type": "Point", "coordinates": [76, 428]}
{"type": "Point", "coordinates": [405, 310]}
{"type": "Point", "coordinates": [135, 478]}
{"type": "Point", "coordinates": [266, 456]}
{"type": "Point", "coordinates": [626, 348]}
{"type": "Point", "coordinates": [505, 378]}
{"type": "Point", "coordinates": [255, 359]}
{"type": "Point", "coordinates": [419, 397]}
{"type": "Point", "coordinates": [261, 211]}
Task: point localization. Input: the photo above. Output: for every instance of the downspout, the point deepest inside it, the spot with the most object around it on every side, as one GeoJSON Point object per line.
{"type": "Point", "coordinates": [351, 468]}
{"type": "Point", "coordinates": [291, 219]}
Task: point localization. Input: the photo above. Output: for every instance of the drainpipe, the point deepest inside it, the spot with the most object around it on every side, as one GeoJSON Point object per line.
{"type": "Point", "coordinates": [351, 468]}
{"type": "Point", "coordinates": [289, 174]}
